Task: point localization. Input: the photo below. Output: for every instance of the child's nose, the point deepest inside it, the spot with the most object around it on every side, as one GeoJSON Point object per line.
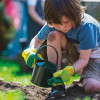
{"type": "Point", "coordinates": [61, 28]}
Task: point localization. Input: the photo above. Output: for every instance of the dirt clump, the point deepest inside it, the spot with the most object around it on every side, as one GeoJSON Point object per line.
{"type": "Point", "coordinates": [33, 92]}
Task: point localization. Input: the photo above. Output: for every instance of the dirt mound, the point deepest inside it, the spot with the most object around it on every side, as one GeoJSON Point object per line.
{"type": "Point", "coordinates": [33, 92]}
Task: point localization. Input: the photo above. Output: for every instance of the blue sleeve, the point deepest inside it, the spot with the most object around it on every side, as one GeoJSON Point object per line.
{"type": "Point", "coordinates": [43, 33]}
{"type": "Point", "coordinates": [87, 37]}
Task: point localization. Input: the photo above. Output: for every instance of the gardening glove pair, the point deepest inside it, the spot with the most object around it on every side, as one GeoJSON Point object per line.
{"type": "Point", "coordinates": [65, 74]}
{"type": "Point", "coordinates": [55, 81]}
{"type": "Point", "coordinates": [29, 56]}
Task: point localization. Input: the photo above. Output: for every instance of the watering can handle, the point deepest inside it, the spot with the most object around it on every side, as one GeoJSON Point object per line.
{"type": "Point", "coordinates": [43, 47]}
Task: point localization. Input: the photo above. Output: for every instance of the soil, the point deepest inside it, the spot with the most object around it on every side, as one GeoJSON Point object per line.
{"type": "Point", "coordinates": [36, 93]}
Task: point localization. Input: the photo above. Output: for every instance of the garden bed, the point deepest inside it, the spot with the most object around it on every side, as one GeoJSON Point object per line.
{"type": "Point", "coordinates": [36, 93]}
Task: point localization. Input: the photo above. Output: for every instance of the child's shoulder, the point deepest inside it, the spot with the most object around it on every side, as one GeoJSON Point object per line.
{"type": "Point", "coordinates": [89, 20]}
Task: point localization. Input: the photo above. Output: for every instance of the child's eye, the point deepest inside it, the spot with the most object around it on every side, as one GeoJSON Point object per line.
{"type": "Point", "coordinates": [66, 22]}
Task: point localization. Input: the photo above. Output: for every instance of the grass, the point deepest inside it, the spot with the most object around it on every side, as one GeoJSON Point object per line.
{"type": "Point", "coordinates": [12, 95]}
{"type": "Point", "coordinates": [9, 72]}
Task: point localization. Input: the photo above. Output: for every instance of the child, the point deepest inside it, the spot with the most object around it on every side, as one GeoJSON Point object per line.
{"type": "Point", "coordinates": [69, 23]}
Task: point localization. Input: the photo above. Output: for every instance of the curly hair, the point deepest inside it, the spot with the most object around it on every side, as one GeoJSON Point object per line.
{"type": "Point", "coordinates": [55, 9]}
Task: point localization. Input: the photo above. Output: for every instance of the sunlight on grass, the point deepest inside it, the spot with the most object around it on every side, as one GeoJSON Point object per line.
{"type": "Point", "coordinates": [12, 95]}
{"type": "Point", "coordinates": [9, 72]}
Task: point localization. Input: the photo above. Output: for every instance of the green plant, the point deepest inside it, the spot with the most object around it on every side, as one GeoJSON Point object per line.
{"type": "Point", "coordinates": [85, 98]}
{"type": "Point", "coordinates": [12, 95]}
{"type": "Point", "coordinates": [7, 29]}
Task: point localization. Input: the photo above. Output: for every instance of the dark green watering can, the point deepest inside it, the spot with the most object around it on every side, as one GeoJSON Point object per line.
{"type": "Point", "coordinates": [43, 70]}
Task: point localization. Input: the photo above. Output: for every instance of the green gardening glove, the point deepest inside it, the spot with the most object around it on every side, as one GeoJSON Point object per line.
{"type": "Point", "coordinates": [55, 81]}
{"type": "Point", "coordinates": [65, 74]}
{"type": "Point", "coordinates": [29, 56]}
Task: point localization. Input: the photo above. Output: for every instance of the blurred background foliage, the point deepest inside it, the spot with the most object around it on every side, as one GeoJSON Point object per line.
{"type": "Point", "coordinates": [6, 28]}
{"type": "Point", "coordinates": [93, 8]}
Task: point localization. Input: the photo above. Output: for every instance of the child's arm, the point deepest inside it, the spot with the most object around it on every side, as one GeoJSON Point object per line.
{"type": "Point", "coordinates": [35, 43]}
{"type": "Point", "coordinates": [82, 61]}
{"type": "Point", "coordinates": [68, 71]}
{"type": "Point", "coordinates": [40, 37]}
{"type": "Point", "coordinates": [30, 53]}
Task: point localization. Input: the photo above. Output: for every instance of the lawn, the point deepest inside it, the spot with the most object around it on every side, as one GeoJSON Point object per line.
{"type": "Point", "coordinates": [9, 71]}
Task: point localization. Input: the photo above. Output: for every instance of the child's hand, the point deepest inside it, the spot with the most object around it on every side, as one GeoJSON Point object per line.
{"type": "Point", "coordinates": [55, 81]}
{"type": "Point", "coordinates": [65, 74]}
{"type": "Point", "coordinates": [29, 56]}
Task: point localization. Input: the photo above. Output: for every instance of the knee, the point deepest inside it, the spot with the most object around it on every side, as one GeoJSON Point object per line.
{"type": "Point", "coordinates": [89, 87]}
{"type": "Point", "coordinates": [54, 35]}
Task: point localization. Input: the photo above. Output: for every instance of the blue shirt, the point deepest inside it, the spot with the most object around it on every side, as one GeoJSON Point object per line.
{"type": "Point", "coordinates": [87, 35]}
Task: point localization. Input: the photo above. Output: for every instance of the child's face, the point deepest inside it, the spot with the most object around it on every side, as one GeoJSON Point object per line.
{"type": "Point", "coordinates": [65, 26]}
